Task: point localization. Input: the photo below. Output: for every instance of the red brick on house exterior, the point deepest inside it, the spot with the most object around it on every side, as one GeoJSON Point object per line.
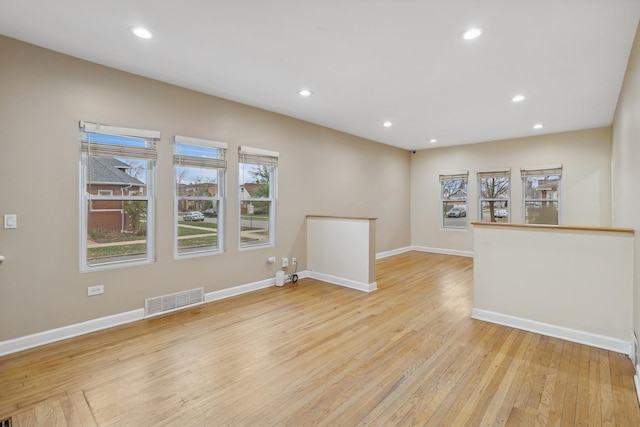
{"type": "Point", "coordinates": [108, 177]}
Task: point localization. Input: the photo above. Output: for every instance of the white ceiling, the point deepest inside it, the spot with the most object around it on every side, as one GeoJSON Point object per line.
{"type": "Point", "coordinates": [367, 61]}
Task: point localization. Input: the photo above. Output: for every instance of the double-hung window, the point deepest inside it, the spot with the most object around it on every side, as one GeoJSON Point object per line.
{"type": "Point", "coordinates": [117, 195]}
{"type": "Point", "coordinates": [541, 190]}
{"type": "Point", "coordinates": [494, 195]}
{"type": "Point", "coordinates": [453, 194]}
{"type": "Point", "coordinates": [199, 166]}
{"type": "Point", "coordinates": [258, 190]}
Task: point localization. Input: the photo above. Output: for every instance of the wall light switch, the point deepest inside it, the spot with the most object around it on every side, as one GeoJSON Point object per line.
{"type": "Point", "coordinates": [10, 221]}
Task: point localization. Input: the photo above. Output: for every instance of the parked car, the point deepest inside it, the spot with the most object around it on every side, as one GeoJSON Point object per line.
{"type": "Point", "coordinates": [457, 212]}
{"type": "Point", "coordinates": [501, 213]}
{"type": "Point", "coordinates": [193, 216]}
{"type": "Point", "coordinates": [211, 212]}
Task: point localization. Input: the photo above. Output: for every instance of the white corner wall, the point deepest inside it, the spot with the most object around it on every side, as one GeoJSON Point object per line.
{"type": "Point", "coordinates": [575, 284]}
{"type": "Point", "coordinates": [342, 251]}
{"type": "Point", "coordinates": [625, 170]}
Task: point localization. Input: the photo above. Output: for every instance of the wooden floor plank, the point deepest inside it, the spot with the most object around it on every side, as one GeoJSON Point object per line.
{"type": "Point", "coordinates": [319, 354]}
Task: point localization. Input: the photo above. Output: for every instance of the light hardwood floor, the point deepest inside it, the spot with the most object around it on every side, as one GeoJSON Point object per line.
{"type": "Point", "coordinates": [319, 354]}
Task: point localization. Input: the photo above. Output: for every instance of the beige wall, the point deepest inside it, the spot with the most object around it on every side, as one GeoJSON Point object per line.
{"type": "Point", "coordinates": [585, 188]}
{"type": "Point", "coordinates": [576, 283]}
{"type": "Point", "coordinates": [44, 95]}
{"type": "Point", "coordinates": [626, 163]}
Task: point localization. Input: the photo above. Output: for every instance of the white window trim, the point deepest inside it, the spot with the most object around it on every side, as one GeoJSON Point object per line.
{"type": "Point", "coordinates": [495, 173]}
{"type": "Point", "coordinates": [452, 177]}
{"type": "Point", "coordinates": [85, 197]}
{"type": "Point", "coordinates": [549, 170]}
{"type": "Point", "coordinates": [219, 198]}
{"type": "Point", "coordinates": [271, 159]}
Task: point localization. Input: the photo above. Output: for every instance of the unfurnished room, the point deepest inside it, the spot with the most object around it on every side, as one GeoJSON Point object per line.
{"type": "Point", "coordinates": [319, 213]}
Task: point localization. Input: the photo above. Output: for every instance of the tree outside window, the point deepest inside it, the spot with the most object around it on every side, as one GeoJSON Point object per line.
{"type": "Point", "coordinates": [494, 196]}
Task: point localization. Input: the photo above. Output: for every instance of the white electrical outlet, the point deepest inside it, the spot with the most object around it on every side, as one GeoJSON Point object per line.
{"type": "Point", "coordinates": [294, 261]}
{"type": "Point", "coordinates": [285, 262]}
{"type": "Point", "coordinates": [95, 290]}
{"type": "Point", "coordinates": [271, 260]}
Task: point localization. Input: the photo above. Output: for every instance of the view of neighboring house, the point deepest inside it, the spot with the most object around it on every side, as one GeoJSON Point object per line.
{"type": "Point", "coordinates": [199, 189]}
{"type": "Point", "coordinates": [253, 191]}
{"type": "Point", "coordinates": [248, 190]}
{"type": "Point", "coordinates": [108, 177]}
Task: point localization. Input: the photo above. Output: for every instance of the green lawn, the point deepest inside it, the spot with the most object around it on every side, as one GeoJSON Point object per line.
{"type": "Point", "coordinates": [259, 229]}
{"type": "Point", "coordinates": [184, 231]}
{"type": "Point", "coordinates": [202, 224]}
{"type": "Point", "coordinates": [116, 251]}
{"type": "Point", "coordinates": [196, 242]}
{"type": "Point", "coordinates": [260, 217]}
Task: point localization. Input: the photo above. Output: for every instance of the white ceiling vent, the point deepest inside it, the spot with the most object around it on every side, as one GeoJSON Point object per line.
{"type": "Point", "coordinates": [164, 303]}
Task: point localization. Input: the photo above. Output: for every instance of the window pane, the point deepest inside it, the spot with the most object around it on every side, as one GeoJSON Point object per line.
{"type": "Point", "coordinates": [116, 231]}
{"type": "Point", "coordinates": [197, 208]}
{"type": "Point", "coordinates": [494, 188]}
{"type": "Point", "coordinates": [255, 181]}
{"type": "Point", "coordinates": [541, 187]}
{"type": "Point", "coordinates": [494, 211]}
{"type": "Point", "coordinates": [455, 214]}
{"type": "Point", "coordinates": [196, 182]}
{"type": "Point", "coordinates": [454, 203]}
{"type": "Point", "coordinates": [254, 223]}
{"type": "Point", "coordinates": [541, 212]}
{"type": "Point", "coordinates": [199, 151]}
{"type": "Point", "coordinates": [197, 225]}
{"type": "Point", "coordinates": [127, 141]}
{"type": "Point", "coordinates": [118, 176]}
{"type": "Point", "coordinates": [454, 189]}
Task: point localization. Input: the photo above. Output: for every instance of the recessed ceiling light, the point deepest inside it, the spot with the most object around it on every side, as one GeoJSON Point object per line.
{"type": "Point", "coordinates": [387, 124]}
{"type": "Point", "coordinates": [143, 33]}
{"type": "Point", "coordinates": [518, 98]}
{"type": "Point", "coordinates": [305, 92]}
{"type": "Point", "coordinates": [433, 140]}
{"type": "Point", "coordinates": [538, 126]}
{"type": "Point", "coordinates": [472, 33]}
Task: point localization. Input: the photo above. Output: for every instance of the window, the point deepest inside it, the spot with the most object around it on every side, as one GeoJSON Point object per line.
{"type": "Point", "coordinates": [258, 186]}
{"type": "Point", "coordinates": [454, 200]}
{"type": "Point", "coordinates": [494, 196]}
{"type": "Point", "coordinates": [117, 195]}
{"type": "Point", "coordinates": [541, 195]}
{"type": "Point", "coordinates": [199, 167]}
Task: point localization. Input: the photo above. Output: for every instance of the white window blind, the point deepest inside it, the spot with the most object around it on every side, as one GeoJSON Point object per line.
{"type": "Point", "coordinates": [455, 177]}
{"type": "Point", "coordinates": [258, 156]}
{"type": "Point", "coordinates": [542, 171]}
{"type": "Point", "coordinates": [498, 173]}
{"type": "Point", "coordinates": [199, 153]}
{"type": "Point", "coordinates": [112, 141]}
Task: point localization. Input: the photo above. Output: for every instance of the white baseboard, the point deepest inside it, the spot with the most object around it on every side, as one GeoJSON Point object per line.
{"type": "Point", "coordinates": [238, 290]}
{"type": "Point", "coordinates": [581, 337]}
{"type": "Point", "coordinates": [636, 381]}
{"type": "Point", "coordinates": [468, 254]}
{"type": "Point", "coordinates": [348, 283]}
{"type": "Point", "coordinates": [65, 332]}
{"type": "Point", "coordinates": [398, 251]}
